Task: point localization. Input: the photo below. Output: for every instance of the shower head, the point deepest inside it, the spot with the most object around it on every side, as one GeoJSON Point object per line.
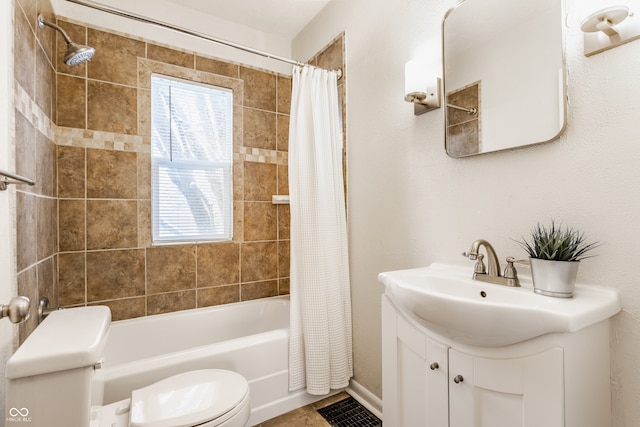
{"type": "Point", "coordinates": [76, 53]}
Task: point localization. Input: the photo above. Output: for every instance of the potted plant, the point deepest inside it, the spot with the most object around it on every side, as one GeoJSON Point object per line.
{"type": "Point", "coordinates": [555, 253]}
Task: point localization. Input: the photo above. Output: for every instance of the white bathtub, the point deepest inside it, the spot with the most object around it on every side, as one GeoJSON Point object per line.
{"type": "Point", "coordinates": [250, 338]}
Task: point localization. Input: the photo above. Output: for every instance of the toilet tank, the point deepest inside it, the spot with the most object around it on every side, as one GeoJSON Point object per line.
{"type": "Point", "coordinates": [49, 376]}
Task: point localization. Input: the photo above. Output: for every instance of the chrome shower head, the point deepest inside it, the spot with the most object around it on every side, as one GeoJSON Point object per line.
{"type": "Point", "coordinates": [76, 53]}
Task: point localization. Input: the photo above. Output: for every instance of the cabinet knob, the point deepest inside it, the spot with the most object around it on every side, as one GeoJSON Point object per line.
{"type": "Point", "coordinates": [434, 366]}
{"type": "Point", "coordinates": [458, 379]}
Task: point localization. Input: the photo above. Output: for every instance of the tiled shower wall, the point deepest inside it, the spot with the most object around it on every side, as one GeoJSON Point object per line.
{"type": "Point", "coordinates": [35, 156]}
{"type": "Point", "coordinates": [102, 252]}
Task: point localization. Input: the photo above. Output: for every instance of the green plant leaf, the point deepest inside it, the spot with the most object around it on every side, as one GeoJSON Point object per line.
{"type": "Point", "coordinates": [557, 243]}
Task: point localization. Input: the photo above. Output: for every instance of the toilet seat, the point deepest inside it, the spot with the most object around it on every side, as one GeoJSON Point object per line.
{"type": "Point", "coordinates": [203, 398]}
{"type": "Point", "coordinates": [192, 398]}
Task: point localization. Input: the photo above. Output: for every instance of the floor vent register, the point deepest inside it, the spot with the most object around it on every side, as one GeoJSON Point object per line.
{"type": "Point", "coordinates": [349, 413]}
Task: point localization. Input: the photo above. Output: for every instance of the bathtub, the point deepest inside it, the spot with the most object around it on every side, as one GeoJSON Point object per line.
{"type": "Point", "coordinates": [250, 338]}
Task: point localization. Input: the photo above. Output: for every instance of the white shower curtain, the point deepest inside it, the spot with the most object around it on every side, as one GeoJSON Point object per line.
{"type": "Point", "coordinates": [320, 350]}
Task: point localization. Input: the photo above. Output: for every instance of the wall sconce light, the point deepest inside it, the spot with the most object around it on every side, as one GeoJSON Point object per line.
{"type": "Point", "coordinates": [420, 88]}
{"type": "Point", "coordinates": [609, 28]}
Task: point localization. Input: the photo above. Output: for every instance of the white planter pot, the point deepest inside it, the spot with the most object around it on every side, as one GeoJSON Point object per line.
{"type": "Point", "coordinates": [554, 278]}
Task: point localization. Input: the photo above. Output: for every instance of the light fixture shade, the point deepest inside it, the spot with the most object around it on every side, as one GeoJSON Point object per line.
{"type": "Point", "coordinates": [415, 77]}
{"type": "Point", "coordinates": [420, 87]}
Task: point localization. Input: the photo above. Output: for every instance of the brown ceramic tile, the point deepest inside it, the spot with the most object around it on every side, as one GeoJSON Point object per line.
{"type": "Point", "coordinates": [26, 227]}
{"type": "Point", "coordinates": [46, 36]}
{"type": "Point", "coordinates": [238, 221]}
{"type": "Point", "coordinates": [170, 56]}
{"type": "Point", "coordinates": [112, 108]}
{"type": "Point", "coordinates": [215, 66]}
{"type": "Point", "coordinates": [171, 268]}
{"type": "Point", "coordinates": [218, 295]}
{"type": "Point", "coordinates": [283, 179]}
{"type": "Point", "coordinates": [284, 222]}
{"type": "Point", "coordinates": [306, 416]}
{"type": "Point", "coordinates": [45, 83]}
{"type": "Point", "coordinates": [47, 227]}
{"type": "Point", "coordinates": [144, 175]}
{"type": "Point", "coordinates": [115, 274]}
{"type": "Point", "coordinates": [71, 279]}
{"type": "Point", "coordinates": [169, 302]}
{"type": "Point", "coordinates": [72, 101]}
{"type": "Point", "coordinates": [24, 48]}
{"type": "Point", "coordinates": [259, 261]}
{"type": "Point", "coordinates": [238, 179]}
{"type": "Point", "coordinates": [218, 264]}
{"type": "Point", "coordinates": [260, 182]}
{"type": "Point", "coordinates": [111, 174]}
{"type": "Point", "coordinates": [48, 280]}
{"type": "Point", "coordinates": [259, 129]}
{"type": "Point", "coordinates": [112, 224]}
{"type": "Point", "coordinates": [283, 258]}
{"type": "Point", "coordinates": [260, 222]}
{"type": "Point", "coordinates": [127, 308]}
{"type": "Point", "coordinates": [30, 9]}
{"type": "Point", "coordinates": [282, 135]}
{"type": "Point", "coordinates": [71, 171]}
{"type": "Point", "coordinates": [259, 89]}
{"type": "Point", "coordinates": [284, 94]}
{"type": "Point", "coordinates": [329, 400]}
{"type": "Point", "coordinates": [46, 179]}
{"type": "Point", "coordinates": [28, 286]}
{"type": "Point", "coordinates": [257, 290]}
{"type": "Point", "coordinates": [283, 286]}
{"type": "Point", "coordinates": [144, 112]}
{"type": "Point", "coordinates": [78, 34]}
{"type": "Point", "coordinates": [116, 58]}
{"type": "Point", "coordinates": [71, 225]}
{"type": "Point", "coordinates": [144, 223]}
{"type": "Point", "coordinates": [25, 141]}
{"type": "Point", "coordinates": [332, 57]}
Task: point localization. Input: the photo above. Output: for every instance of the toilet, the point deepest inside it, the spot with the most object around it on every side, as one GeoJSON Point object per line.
{"type": "Point", "coordinates": [49, 383]}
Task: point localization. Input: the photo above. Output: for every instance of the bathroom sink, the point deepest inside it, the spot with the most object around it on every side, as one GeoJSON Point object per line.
{"type": "Point", "coordinates": [444, 299]}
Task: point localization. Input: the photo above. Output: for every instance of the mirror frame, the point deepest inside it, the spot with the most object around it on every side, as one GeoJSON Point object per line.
{"type": "Point", "coordinates": [563, 87]}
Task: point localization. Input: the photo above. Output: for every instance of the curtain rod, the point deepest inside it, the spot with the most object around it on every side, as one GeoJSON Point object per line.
{"type": "Point", "coordinates": [119, 12]}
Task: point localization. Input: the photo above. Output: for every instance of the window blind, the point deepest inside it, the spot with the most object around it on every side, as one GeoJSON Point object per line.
{"type": "Point", "coordinates": [191, 161]}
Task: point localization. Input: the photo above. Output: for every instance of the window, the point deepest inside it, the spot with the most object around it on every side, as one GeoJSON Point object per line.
{"type": "Point", "coordinates": [191, 161]}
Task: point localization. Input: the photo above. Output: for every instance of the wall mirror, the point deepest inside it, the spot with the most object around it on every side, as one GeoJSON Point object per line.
{"type": "Point", "coordinates": [503, 75]}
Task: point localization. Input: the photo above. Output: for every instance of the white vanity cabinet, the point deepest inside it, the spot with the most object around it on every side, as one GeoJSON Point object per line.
{"type": "Point", "coordinates": [556, 380]}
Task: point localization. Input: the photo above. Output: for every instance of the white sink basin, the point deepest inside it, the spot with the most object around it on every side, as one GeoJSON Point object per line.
{"type": "Point", "coordinates": [444, 299]}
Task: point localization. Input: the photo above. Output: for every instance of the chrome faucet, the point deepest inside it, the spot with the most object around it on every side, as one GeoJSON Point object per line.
{"type": "Point", "coordinates": [492, 273]}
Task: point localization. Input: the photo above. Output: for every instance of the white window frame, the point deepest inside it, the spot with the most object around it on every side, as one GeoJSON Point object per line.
{"type": "Point", "coordinates": [219, 190]}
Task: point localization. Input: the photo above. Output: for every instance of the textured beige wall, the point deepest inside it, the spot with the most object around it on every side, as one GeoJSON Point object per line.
{"type": "Point", "coordinates": [410, 205]}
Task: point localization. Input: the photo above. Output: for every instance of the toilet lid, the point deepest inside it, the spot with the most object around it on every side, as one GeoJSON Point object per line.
{"type": "Point", "coordinates": [187, 399]}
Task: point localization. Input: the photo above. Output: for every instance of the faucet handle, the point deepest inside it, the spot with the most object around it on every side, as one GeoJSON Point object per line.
{"type": "Point", "coordinates": [510, 272]}
{"type": "Point", "coordinates": [480, 268]}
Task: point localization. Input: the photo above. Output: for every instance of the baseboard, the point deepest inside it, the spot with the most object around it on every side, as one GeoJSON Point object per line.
{"type": "Point", "coordinates": [369, 400]}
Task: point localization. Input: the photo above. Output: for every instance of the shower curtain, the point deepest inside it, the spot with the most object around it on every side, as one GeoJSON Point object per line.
{"type": "Point", "coordinates": [320, 350]}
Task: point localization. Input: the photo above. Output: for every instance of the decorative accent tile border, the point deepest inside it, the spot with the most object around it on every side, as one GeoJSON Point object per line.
{"type": "Point", "coordinates": [260, 155]}
{"type": "Point", "coordinates": [33, 113]}
{"type": "Point", "coordinates": [102, 140]}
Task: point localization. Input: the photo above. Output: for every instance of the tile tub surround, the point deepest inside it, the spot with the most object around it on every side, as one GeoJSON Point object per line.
{"type": "Point", "coordinates": [104, 185]}
{"type": "Point", "coordinates": [83, 232]}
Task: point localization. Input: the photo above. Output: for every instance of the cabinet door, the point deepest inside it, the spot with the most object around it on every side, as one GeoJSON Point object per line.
{"type": "Point", "coordinates": [422, 379]}
{"type": "Point", "coordinates": [414, 377]}
{"type": "Point", "coordinates": [486, 392]}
